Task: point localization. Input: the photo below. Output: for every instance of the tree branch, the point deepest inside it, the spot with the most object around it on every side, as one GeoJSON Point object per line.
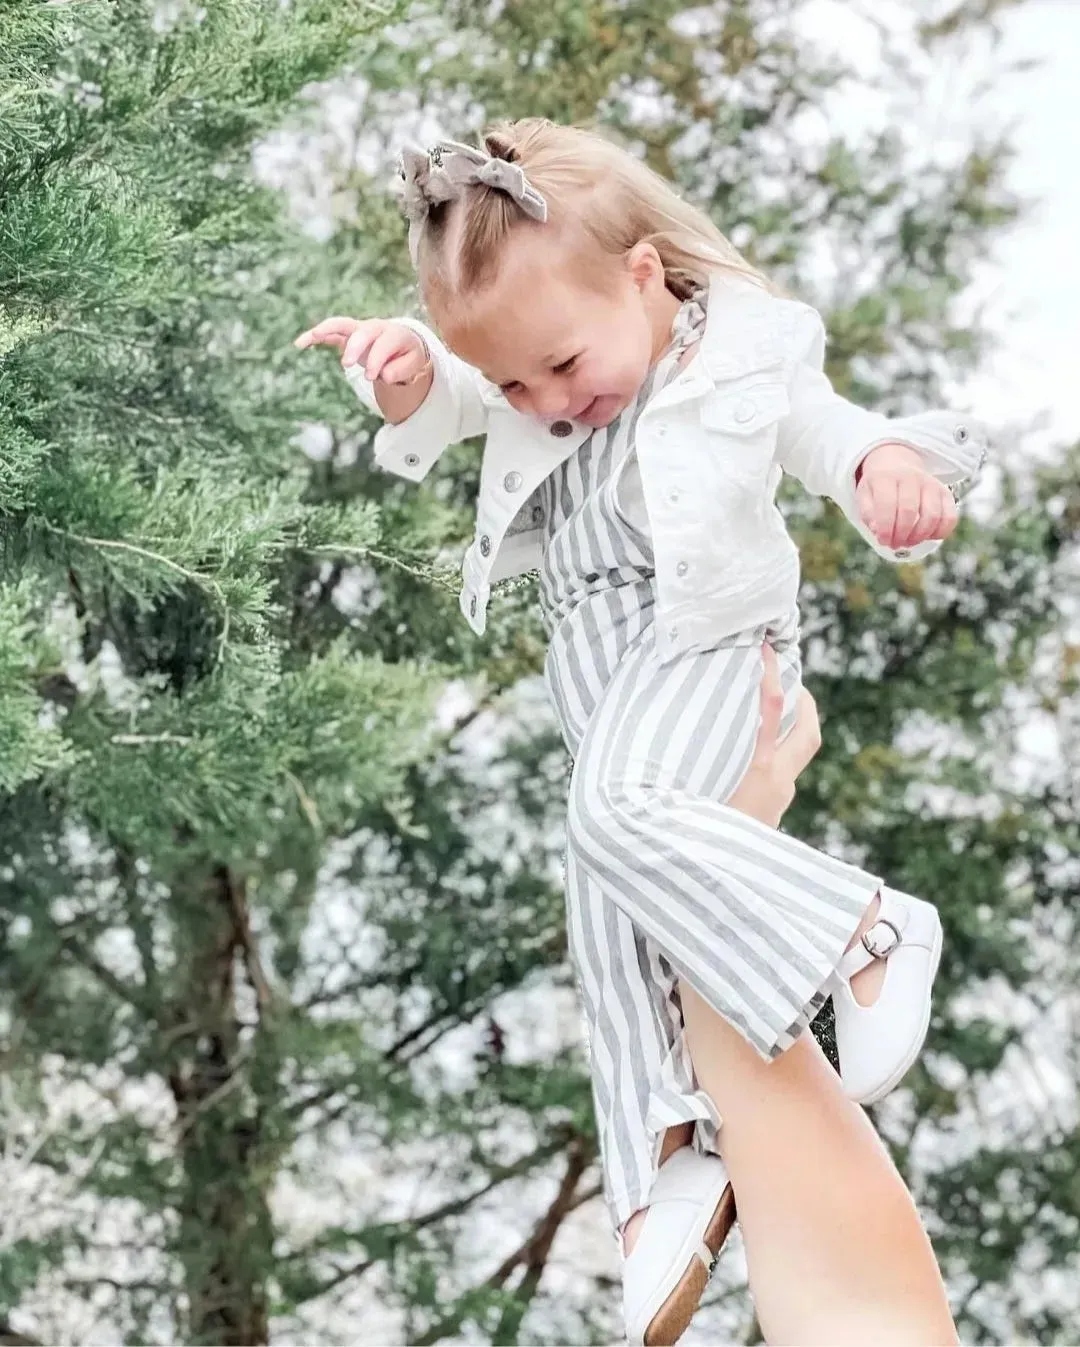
{"type": "Point", "coordinates": [532, 1254]}
{"type": "Point", "coordinates": [363, 982]}
{"type": "Point", "coordinates": [141, 927]}
{"type": "Point", "coordinates": [79, 952]}
{"type": "Point", "coordinates": [232, 1082]}
{"type": "Point", "coordinates": [236, 894]}
{"type": "Point", "coordinates": [454, 1207]}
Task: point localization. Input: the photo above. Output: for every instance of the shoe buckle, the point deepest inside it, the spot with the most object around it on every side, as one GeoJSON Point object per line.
{"type": "Point", "coordinates": [870, 939]}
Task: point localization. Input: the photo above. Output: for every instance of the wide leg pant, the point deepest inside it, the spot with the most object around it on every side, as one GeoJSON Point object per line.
{"type": "Point", "coordinates": [664, 882]}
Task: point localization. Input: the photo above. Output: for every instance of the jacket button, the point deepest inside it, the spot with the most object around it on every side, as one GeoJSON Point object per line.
{"type": "Point", "coordinates": [681, 568]}
{"type": "Point", "coordinates": [472, 606]}
{"type": "Point", "coordinates": [744, 412]}
{"type": "Point", "coordinates": [485, 546]}
{"type": "Point", "coordinates": [411, 460]}
{"type": "Point", "coordinates": [562, 429]}
{"type": "Point", "coordinates": [961, 435]}
{"type": "Point", "coordinates": [512, 481]}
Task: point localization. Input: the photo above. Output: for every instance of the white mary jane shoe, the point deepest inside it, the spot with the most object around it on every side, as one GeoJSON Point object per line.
{"type": "Point", "coordinates": [691, 1209]}
{"type": "Point", "coordinates": [877, 1044]}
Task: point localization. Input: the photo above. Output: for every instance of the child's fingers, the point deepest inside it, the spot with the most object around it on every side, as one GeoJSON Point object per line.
{"type": "Point", "coordinates": [865, 498]}
{"type": "Point", "coordinates": [905, 509]}
{"type": "Point", "coordinates": [402, 368]}
{"type": "Point", "coordinates": [330, 332]}
{"type": "Point", "coordinates": [359, 344]}
{"type": "Point", "coordinates": [930, 507]}
{"type": "Point", "coordinates": [880, 516]}
{"type": "Point", "coordinates": [908, 495]}
{"type": "Point", "coordinates": [947, 516]}
{"type": "Point", "coordinates": [388, 344]}
{"type": "Point", "coordinates": [305, 339]}
{"type": "Point", "coordinates": [950, 515]}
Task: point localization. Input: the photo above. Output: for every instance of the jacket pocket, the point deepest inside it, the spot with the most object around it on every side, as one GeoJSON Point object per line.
{"type": "Point", "coordinates": [746, 411]}
{"type": "Point", "coordinates": [741, 425]}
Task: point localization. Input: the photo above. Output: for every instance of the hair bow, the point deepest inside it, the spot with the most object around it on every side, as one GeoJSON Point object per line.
{"type": "Point", "coordinates": [437, 176]}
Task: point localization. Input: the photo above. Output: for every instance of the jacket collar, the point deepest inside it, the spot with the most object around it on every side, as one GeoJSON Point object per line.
{"type": "Point", "coordinates": [741, 332]}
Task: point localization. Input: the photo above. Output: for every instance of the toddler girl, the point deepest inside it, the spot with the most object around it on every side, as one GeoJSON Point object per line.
{"type": "Point", "coordinates": [642, 391]}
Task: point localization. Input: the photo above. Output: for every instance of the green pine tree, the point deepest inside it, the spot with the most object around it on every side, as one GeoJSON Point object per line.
{"type": "Point", "coordinates": [185, 718]}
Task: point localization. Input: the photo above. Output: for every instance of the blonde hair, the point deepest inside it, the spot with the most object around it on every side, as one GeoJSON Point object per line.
{"type": "Point", "coordinates": [590, 184]}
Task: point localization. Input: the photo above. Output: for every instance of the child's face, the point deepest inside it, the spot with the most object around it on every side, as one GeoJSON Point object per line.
{"type": "Point", "coordinates": [557, 346]}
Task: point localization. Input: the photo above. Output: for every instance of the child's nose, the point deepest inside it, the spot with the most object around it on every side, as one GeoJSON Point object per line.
{"type": "Point", "coordinates": [551, 401]}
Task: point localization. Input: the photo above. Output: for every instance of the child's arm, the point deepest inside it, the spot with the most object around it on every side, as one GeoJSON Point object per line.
{"type": "Point", "coordinates": [426, 408]}
{"type": "Point", "coordinates": [881, 471]}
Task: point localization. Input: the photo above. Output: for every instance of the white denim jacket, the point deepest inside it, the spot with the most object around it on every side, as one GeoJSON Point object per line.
{"type": "Point", "coordinates": [752, 402]}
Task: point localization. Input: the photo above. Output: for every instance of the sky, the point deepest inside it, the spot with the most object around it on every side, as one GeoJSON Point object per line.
{"type": "Point", "coordinates": [1029, 292]}
{"type": "Point", "coordinates": [1033, 286]}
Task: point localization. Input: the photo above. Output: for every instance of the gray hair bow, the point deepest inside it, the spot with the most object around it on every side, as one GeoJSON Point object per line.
{"type": "Point", "coordinates": [436, 176]}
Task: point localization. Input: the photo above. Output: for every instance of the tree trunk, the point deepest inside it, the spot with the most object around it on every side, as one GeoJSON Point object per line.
{"type": "Point", "coordinates": [226, 1235]}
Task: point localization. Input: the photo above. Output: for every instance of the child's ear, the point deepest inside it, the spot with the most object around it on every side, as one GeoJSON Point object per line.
{"type": "Point", "coordinates": [645, 267]}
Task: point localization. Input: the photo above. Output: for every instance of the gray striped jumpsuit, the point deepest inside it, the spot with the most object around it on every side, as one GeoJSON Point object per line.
{"type": "Point", "coordinates": [663, 881]}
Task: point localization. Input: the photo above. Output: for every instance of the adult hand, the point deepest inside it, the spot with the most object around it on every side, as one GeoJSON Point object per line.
{"type": "Point", "coordinates": [768, 787]}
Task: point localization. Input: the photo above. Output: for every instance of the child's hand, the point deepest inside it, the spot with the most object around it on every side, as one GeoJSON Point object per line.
{"type": "Point", "coordinates": [899, 501]}
{"type": "Point", "coordinates": [388, 351]}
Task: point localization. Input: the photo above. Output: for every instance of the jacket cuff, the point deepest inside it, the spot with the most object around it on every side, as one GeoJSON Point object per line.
{"type": "Point", "coordinates": [410, 448]}
{"type": "Point", "coordinates": [953, 448]}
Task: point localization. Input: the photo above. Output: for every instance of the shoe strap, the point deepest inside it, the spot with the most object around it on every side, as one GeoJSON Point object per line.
{"type": "Point", "coordinates": [878, 941]}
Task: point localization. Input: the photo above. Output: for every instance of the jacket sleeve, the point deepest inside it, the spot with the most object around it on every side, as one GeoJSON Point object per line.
{"type": "Point", "coordinates": [453, 410]}
{"type": "Point", "coordinates": [823, 438]}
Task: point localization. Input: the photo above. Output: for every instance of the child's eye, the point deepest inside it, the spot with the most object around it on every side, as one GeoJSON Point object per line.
{"type": "Point", "coordinates": [512, 387]}
{"type": "Point", "coordinates": [566, 366]}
